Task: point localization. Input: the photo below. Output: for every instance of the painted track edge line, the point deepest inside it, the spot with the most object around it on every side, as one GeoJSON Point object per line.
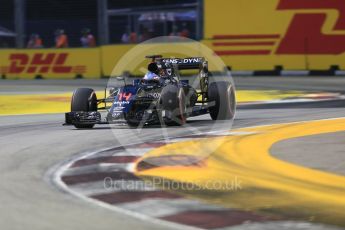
{"type": "Point", "coordinates": [53, 177]}
{"type": "Point", "coordinates": [54, 174]}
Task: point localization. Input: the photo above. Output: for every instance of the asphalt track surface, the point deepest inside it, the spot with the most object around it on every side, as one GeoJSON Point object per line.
{"type": "Point", "coordinates": [33, 146]}
{"type": "Point", "coordinates": [329, 84]}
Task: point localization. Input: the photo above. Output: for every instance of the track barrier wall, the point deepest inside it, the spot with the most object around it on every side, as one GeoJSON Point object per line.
{"type": "Point", "coordinates": [271, 37]}
{"type": "Point", "coordinates": [50, 63]}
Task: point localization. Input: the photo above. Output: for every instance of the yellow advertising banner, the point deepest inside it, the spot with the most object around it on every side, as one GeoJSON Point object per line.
{"type": "Point", "coordinates": [245, 34]}
{"type": "Point", "coordinates": [295, 34]}
{"type": "Point", "coordinates": [50, 63]}
{"type": "Point", "coordinates": [111, 55]}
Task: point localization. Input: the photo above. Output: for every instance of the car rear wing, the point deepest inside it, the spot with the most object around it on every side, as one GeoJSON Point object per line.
{"type": "Point", "coordinates": [198, 63]}
{"type": "Point", "coordinates": [183, 63]}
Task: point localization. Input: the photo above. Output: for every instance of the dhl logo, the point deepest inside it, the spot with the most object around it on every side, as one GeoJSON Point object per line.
{"type": "Point", "coordinates": [40, 63]}
{"type": "Point", "coordinates": [304, 34]}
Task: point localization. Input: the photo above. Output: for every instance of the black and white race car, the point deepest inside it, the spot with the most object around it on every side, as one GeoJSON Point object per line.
{"type": "Point", "coordinates": [165, 100]}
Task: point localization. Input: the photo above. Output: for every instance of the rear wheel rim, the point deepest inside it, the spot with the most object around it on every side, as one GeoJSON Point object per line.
{"type": "Point", "coordinates": [182, 107]}
{"type": "Point", "coordinates": [231, 100]}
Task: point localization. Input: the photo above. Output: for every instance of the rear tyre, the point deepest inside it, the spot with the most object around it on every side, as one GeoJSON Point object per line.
{"type": "Point", "coordinates": [222, 95]}
{"type": "Point", "coordinates": [84, 100]}
{"type": "Point", "coordinates": [173, 101]}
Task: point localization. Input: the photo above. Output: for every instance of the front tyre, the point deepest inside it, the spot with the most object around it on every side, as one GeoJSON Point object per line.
{"type": "Point", "coordinates": [84, 100]}
{"type": "Point", "coordinates": [222, 96]}
{"type": "Point", "coordinates": [173, 101]}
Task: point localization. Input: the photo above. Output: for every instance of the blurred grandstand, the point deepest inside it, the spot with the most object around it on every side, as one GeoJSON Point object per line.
{"type": "Point", "coordinates": [272, 37]}
{"type": "Point", "coordinates": [110, 21]}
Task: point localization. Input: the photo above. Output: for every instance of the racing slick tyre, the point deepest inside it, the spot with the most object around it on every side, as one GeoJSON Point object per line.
{"type": "Point", "coordinates": [84, 100]}
{"type": "Point", "coordinates": [173, 101]}
{"type": "Point", "coordinates": [222, 96]}
{"type": "Point", "coordinates": [133, 124]}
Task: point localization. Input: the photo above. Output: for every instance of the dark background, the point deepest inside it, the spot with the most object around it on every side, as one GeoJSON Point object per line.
{"type": "Point", "coordinates": [45, 16]}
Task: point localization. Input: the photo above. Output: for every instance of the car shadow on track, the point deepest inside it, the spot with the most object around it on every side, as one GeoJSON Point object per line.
{"type": "Point", "coordinates": [298, 105]}
{"type": "Point", "coordinates": [190, 123]}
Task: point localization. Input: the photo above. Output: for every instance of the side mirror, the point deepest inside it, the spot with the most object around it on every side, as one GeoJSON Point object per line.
{"type": "Point", "coordinates": [136, 81]}
{"type": "Point", "coordinates": [113, 92]}
{"type": "Point", "coordinates": [205, 69]}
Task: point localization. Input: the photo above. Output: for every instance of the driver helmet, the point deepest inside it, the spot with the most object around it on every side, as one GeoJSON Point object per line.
{"type": "Point", "coordinates": [151, 76]}
{"type": "Point", "coordinates": [153, 67]}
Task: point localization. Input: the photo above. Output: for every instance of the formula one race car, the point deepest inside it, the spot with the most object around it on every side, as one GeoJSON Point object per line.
{"type": "Point", "coordinates": [164, 99]}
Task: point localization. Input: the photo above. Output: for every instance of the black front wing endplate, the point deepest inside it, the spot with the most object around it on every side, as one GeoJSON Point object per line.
{"type": "Point", "coordinates": [73, 118]}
